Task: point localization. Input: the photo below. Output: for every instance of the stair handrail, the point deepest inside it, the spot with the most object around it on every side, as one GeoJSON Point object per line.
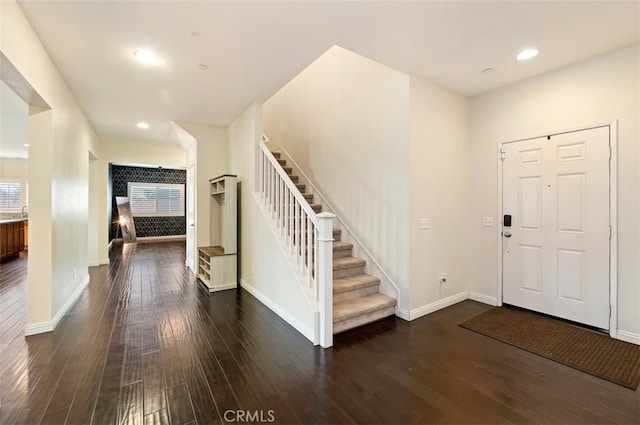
{"type": "Point", "coordinates": [290, 185]}
{"type": "Point", "coordinates": [342, 223]}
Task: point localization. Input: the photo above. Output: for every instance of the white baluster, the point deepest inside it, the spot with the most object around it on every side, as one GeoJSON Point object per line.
{"type": "Point", "coordinates": [310, 253]}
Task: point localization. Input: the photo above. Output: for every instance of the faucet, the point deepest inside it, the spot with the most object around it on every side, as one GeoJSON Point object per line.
{"type": "Point", "coordinates": [25, 211]}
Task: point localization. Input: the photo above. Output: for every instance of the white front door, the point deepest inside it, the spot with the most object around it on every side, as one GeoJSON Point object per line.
{"type": "Point", "coordinates": [556, 251]}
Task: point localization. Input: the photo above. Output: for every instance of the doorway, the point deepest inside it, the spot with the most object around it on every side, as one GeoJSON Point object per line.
{"type": "Point", "coordinates": [557, 203]}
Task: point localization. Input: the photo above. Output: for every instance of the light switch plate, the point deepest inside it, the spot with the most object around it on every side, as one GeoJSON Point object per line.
{"type": "Point", "coordinates": [487, 221]}
{"type": "Point", "coordinates": [424, 223]}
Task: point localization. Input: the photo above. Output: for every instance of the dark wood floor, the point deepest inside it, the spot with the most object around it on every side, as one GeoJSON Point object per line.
{"type": "Point", "coordinates": [146, 345]}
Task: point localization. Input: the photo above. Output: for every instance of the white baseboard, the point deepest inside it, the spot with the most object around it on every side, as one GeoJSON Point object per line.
{"type": "Point", "coordinates": [42, 327]}
{"type": "Point", "coordinates": [306, 331]}
{"type": "Point", "coordinates": [434, 306]}
{"type": "Point", "coordinates": [99, 263]}
{"type": "Point", "coordinates": [161, 238]}
{"type": "Point", "coordinates": [224, 287]}
{"type": "Point", "coordinates": [486, 299]}
{"type": "Point", "coordinates": [629, 337]}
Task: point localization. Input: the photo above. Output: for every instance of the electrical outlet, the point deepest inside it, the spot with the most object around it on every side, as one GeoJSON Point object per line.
{"type": "Point", "coordinates": [424, 223]}
{"type": "Point", "coordinates": [487, 221]}
{"type": "Point", "coordinates": [443, 277]}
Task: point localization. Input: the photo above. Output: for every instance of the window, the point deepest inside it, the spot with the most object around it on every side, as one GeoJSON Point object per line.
{"type": "Point", "coordinates": [156, 199]}
{"type": "Point", "coordinates": [10, 196]}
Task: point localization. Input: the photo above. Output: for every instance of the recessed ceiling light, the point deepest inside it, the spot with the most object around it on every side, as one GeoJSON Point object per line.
{"type": "Point", "coordinates": [143, 125]}
{"type": "Point", "coordinates": [487, 70]}
{"type": "Point", "coordinates": [527, 54]}
{"type": "Point", "coordinates": [26, 145]}
{"type": "Point", "coordinates": [146, 56]}
{"type": "Point", "coordinates": [202, 67]}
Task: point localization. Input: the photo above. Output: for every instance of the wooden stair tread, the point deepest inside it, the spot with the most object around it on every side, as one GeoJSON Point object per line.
{"type": "Point", "coordinates": [276, 154]}
{"type": "Point", "coordinates": [354, 282]}
{"type": "Point", "coordinates": [347, 309]}
{"type": "Point", "coordinates": [347, 262]}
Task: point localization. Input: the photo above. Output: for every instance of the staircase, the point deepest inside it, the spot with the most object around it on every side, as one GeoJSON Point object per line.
{"type": "Point", "coordinates": [356, 297]}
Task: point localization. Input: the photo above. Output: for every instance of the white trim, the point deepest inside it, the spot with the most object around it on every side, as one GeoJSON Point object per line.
{"type": "Point", "coordinates": [628, 337]}
{"type": "Point", "coordinates": [126, 164]}
{"type": "Point", "coordinates": [499, 227]}
{"type": "Point", "coordinates": [432, 307]}
{"type": "Point", "coordinates": [38, 328]}
{"type": "Point", "coordinates": [219, 287]}
{"type": "Point", "coordinates": [42, 327]}
{"type": "Point", "coordinates": [485, 299]}
{"type": "Point", "coordinates": [104, 261]}
{"type": "Point", "coordinates": [93, 264]}
{"type": "Point", "coordinates": [169, 238]}
{"type": "Point", "coordinates": [306, 331]}
{"type": "Point", "coordinates": [613, 222]}
{"type": "Point", "coordinates": [613, 217]}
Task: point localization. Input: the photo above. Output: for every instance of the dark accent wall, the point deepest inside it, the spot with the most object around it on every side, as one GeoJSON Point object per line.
{"type": "Point", "coordinates": [147, 226]}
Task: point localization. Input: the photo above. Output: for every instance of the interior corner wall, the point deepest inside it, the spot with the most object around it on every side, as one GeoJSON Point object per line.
{"type": "Point", "coordinates": [211, 153]}
{"type": "Point", "coordinates": [263, 268]}
{"type": "Point", "coordinates": [345, 121]}
{"type": "Point", "coordinates": [439, 181]}
{"type": "Point", "coordinates": [596, 91]}
{"type": "Point", "coordinates": [60, 234]}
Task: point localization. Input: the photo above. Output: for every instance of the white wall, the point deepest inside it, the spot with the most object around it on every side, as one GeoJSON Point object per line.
{"type": "Point", "coordinates": [596, 91]}
{"type": "Point", "coordinates": [58, 223]}
{"type": "Point", "coordinates": [439, 179]}
{"type": "Point", "coordinates": [272, 279]}
{"type": "Point", "coordinates": [345, 121]}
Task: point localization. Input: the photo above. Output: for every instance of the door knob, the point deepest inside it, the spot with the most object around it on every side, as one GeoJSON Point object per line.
{"type": "Point", "coordinates": [507, 234]}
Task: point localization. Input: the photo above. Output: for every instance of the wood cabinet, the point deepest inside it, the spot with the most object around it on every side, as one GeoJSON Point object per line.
{"type": "Point", "coordinates": [12, 238]}
{"type": "Point", "coordinates": [217, 263]}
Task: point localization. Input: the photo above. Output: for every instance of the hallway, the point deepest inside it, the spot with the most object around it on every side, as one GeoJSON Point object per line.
{"type": "Point", "coordinates": [146, 344]}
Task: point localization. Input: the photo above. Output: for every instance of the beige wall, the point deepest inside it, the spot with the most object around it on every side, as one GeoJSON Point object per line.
{"type": "Point", "coordinates": [345, 121]}
{"type": "Point", "coordinates": [60, 216]}
{"type": "Point", "coordinates": [439, 179]}
{"type": "Point", "coordinates": [596, 91]}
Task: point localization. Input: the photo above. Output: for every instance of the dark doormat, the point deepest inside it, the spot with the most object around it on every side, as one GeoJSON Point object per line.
{"type": "Point", "coordinates": [589, 351]}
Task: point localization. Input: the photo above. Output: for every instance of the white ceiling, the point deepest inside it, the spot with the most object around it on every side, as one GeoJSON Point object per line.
{"type": "Point", "coordinates": [254, 48]}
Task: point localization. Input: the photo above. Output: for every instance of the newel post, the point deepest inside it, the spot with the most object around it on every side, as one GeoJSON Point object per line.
{"type": "Point", "coordinates": [325, 277]}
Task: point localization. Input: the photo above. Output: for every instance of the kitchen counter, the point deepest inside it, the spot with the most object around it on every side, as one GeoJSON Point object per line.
{"type": "Point", "coordinates": [12, 220]}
